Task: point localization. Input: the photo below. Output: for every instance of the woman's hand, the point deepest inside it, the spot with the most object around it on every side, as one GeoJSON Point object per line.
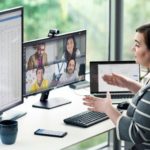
{"type": "Point", "coordinates": [116, 79]}
{"type": "Point", "coordinates": [98, 104]}
{"type": "Point", "coordinates": [102, 105]}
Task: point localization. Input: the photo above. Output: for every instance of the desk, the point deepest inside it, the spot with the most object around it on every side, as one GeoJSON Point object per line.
{"type": "Point", "coordinates": [53, 119]}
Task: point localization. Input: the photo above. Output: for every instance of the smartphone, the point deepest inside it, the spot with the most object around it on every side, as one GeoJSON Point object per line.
{"type": "Point", "coordinates": [45, 132]}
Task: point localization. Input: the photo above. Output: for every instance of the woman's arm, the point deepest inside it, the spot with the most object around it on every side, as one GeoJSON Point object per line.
{"type": "Point", "coordinates": [122, 81]}
{"type": "Point", "coordinates": [133, 86]}
{"type": "Point", "coordinates": [135, 127]}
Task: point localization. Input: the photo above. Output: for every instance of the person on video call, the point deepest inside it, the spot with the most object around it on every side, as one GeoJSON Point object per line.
{"type": "Point", "coordinates": [40, 82]}
{"type": "Point", "coordinates": [70, 74]}
{"type": "Point", "coordinates": [39, 58]}
{"type": "Point", "coordinates": [70, 51]}
{"type": "Point", "coordinates": [135, 126]}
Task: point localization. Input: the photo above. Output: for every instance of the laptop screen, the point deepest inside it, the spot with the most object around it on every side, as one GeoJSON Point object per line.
{"type": "Point", "coordinates": [98, 69]}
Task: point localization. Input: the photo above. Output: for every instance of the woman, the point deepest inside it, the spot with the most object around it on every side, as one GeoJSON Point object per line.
{"type": "Point", "coordinates": [71, 50]}
{"type": "Point", "coordinates": [135, 126]}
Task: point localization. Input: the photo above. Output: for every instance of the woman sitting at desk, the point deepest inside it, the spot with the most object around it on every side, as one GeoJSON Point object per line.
{"type": "Point", "coordinates": [135, 127]}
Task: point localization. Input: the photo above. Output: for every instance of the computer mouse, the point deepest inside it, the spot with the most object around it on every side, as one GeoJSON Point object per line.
{"type": "Point", "coordinates": [123, 105]}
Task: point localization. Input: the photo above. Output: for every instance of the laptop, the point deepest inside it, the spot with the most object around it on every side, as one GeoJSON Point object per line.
{"type": "Point", "coordinates": [98, 87]}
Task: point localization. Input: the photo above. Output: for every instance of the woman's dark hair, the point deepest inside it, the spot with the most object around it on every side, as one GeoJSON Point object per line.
{"type": "Point", "coordinates": [68, 56]}
{"type": "Point", "coordinates": [145, 29]}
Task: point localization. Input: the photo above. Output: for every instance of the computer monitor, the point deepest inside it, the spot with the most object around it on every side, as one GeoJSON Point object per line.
{"type": "Point", "coordinates": [11, 39]}
{"type": "Point", "coordinates": [53, 62]}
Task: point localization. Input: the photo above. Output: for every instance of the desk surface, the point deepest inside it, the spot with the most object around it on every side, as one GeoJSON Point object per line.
{"type": "Point", "coordinates": [53, 120]}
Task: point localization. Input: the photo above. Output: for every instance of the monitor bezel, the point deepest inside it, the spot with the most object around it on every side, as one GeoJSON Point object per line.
{"type": "Point", "coordinates": [58, 36]}
{"type": "Point", "coordinates": [7, 11]}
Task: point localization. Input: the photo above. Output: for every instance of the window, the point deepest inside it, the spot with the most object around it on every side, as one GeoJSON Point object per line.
{"type": "Point", "coordinates": [136, 13]}
{"type": "Point", "coordinates": [68, 15]}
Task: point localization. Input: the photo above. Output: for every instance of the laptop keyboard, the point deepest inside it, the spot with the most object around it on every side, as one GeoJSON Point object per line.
{"type": "Point", "coordinates": [117, 96]}
{"type": "Point", "coordinates": [86, 119]}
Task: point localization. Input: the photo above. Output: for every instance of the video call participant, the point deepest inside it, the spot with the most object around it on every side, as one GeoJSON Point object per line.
{"type": "Point", "coordinates": [39, 58]}
{"type": "Point", "coordinates": [135, 126]}
{"type": "Point", "coordinates": [71, 50]}
{"type": "Point", "coordinates": [40, 82]}
{"type": "Point", "coordinates": [70, 74]}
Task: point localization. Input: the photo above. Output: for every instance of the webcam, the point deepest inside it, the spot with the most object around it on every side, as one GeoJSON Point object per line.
{"type": "Point", "coordinates": [53, 32]}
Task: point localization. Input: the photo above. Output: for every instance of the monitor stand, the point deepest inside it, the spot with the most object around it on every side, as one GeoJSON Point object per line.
{"type": "Point", "coordinates": [51, 103]}
{"type": "Point", "coordinates": [80, 85]}
{"type": "Point", "coordinates": [12, 115]}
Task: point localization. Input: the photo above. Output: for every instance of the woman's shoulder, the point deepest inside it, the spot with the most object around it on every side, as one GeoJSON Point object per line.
{"type": "Point", "coordinates": [146, 87]}
{"type": "Point", "coordinates": [145, 92]}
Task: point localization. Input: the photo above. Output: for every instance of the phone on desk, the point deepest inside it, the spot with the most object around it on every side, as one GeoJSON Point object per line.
{"type": "Point", "coordinates": [45, 132]}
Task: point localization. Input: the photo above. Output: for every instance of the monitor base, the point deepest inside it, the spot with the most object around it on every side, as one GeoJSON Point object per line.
{"type": "Point", "coordinates": [80, 85]}
{"type": "Point", "coordinates": [12, 115]}
{"type": "Point", "coordinates": [52, 103]}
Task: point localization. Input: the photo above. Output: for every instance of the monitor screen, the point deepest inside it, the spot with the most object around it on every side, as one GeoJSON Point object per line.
{"type": "Point", "coordinates": [100, 68]}
{"type": "Point", "coordinates": [11, 39]}
{"type": "Point", "coordinates": [54, 62]}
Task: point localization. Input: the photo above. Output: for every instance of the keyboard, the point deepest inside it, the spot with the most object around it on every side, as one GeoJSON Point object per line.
{"type": "Point", "coordinates": [116, 96]}
{"type": "Point", "coordinates": [116, 99]}
{"type": "Point", "coordinates": [86, 119]}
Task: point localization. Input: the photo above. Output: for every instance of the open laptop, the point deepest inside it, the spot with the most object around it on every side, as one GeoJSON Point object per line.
{"type": "Point", "coordinates": [98, 87]}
